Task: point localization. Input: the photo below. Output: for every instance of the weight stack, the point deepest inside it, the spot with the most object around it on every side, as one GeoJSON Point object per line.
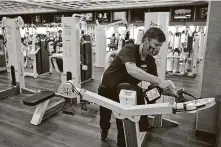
{"type": "Point", "coordinates": [189, 44]}
{"type": "Point", "coordinates": [42, 58]}
{"type": "Point", "coordinates": [88, 60]}
{"type": "Point", "coordinates": [86, 54]}
{"type": "Point", "coordinates": [82, 58]}
{"type": "Point", "coordinates": [2, 54]}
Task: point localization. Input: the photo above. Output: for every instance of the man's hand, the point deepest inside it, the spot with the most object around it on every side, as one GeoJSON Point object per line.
{"type": "Point", "coordinates": [165, 85]}
{"type": "Point", "coordinates": [175, 93]}
{"type": "Point", "coordinates": [169, 88]}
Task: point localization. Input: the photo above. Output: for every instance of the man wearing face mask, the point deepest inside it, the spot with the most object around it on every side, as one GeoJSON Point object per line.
{"type": "Point", "coordinates": [125, 72]}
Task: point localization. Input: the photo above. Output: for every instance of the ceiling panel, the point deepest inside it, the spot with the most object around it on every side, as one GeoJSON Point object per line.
{"type": "Point", "coordinates": [12, 7]}
{"type": "Point", "coordinates": [42, 6]}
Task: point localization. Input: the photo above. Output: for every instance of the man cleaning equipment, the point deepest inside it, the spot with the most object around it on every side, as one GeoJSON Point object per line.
{"type": "Point", "coordinates": [125, 72]}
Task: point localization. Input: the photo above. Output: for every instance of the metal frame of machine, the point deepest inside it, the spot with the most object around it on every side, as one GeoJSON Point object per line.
{"type": "Point", "coordinates": [129, 111]}
{"type": "Point", "coordinates": [71, 48]}
{"type": "Point", "coordinates": [15, 59]}
{"type": "Point", "coordinates": [16, 63]}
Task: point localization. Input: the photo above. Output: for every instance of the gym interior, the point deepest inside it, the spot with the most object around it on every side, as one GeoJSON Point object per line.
{"type": "Point", "coordinates": [53, 55]}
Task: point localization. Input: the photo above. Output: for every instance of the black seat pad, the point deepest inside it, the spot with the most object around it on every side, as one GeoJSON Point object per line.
{"type": "Point", "coordinates": [38, 98]}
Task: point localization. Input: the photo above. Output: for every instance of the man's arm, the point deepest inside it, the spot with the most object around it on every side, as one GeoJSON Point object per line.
{"type": "Point", "coordinates": [139, 74]}
{"type": "Point", "coordinates": [127, 56]}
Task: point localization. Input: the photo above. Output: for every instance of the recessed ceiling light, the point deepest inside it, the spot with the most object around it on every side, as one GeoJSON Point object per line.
{"type": "Point", "coordinates": [39, 6]}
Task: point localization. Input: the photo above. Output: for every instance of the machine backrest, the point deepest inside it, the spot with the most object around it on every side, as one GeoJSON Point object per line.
{"type": "Point", "coordinates": [57, 63]}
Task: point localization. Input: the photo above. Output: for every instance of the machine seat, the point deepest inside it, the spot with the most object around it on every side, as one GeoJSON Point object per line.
{"type": "Point", "coordinates": [38, 98]}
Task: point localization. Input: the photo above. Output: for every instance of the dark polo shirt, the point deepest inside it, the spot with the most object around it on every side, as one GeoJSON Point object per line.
{"type": "Point", "coordinates": [116, 73]}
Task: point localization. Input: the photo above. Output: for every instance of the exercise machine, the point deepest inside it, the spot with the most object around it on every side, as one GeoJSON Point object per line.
{"type": "Point", "coordinates": [186, 49]}
{"type": "Point", "coordinates": [69, 60]}
{"type": "Point", "coordinates": [101, 42]}
{"type": "Point", "coordinates": [129, 111]}
{"type": "Point", "coordinates": [61, 62]}
{"type": "Point", "coordinates": [16, 59]}
{"type": "Point", "coordinates": [37, 57]}
{"type": "Point", "coordinates": [126, 109]}
{"type": "Point", "coordinates": [16, 62]}
{"type": "Point", "coordinates": [122, 42]}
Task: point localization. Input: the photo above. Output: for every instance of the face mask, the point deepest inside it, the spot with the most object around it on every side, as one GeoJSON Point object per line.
{"type": "Point", "coordinates": [150, 50]}
{"type": "Point", "coordinates": [153, 51]}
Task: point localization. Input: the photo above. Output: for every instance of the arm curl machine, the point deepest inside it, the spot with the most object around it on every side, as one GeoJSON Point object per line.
{"type": "Point", "coordinates": [129, 111]}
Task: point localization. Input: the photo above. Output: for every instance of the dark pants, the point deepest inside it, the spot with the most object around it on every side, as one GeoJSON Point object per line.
{"type": "Point", "coordinates": [105, 114]}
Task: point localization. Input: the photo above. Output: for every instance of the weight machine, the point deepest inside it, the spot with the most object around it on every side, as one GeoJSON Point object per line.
{"type": "Point", "coordinates": [122, 41]}
{"type": "Point", "coordinates": [129, 112]}
{"type": "Point", "coordinates": [71, 41]}
{"type": "Point", "coordinates": [186, 50]}
{"type": "Point", "coordinates": [15, 58]}
{"type": "Point", "coordinates": [52, 44]}
{"type": "Point", "coordinates": [16, 62]}
{"type": "Point", "coordinates": [126, 110]}
{"type": "Point", "coordinates": [37, 57]}
{"type": "Point", "coordinates": [81, 67]}
{"type": "Point", "coordinates": [101, 42]}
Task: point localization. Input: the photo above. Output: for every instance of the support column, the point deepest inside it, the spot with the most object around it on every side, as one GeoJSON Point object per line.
{"type": "Point", "coordinates": [15, 56]}
{"type": "Point", "coordinates": [71, 49]}
{"type": "Point", "coordinates": [206, 120]}
{"type": "Point", "coordinates": [101, 46]}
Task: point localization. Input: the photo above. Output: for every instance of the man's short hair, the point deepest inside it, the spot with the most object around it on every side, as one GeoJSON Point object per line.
{"type": "Point", "coordinates": [154, 33]}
